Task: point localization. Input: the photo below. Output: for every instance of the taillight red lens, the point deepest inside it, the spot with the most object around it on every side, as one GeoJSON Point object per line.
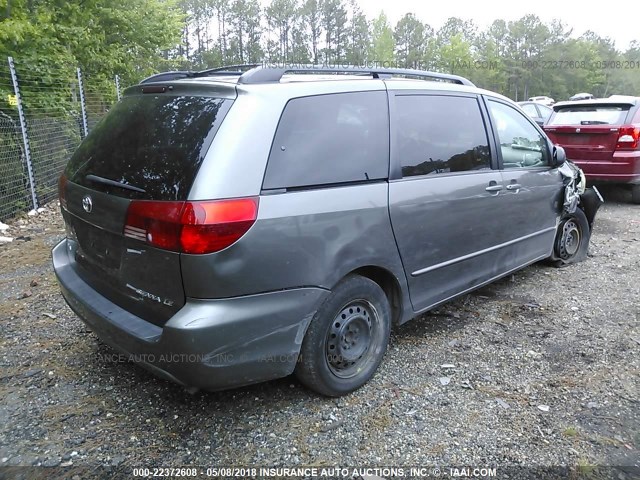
{"type": "Point", "coordinates": [213, 226]}
{"type": "Point", "coordinates": [62, 190]}
{"type": "Point", "coordinates": [191, 227]}
{"type": "Point", "coordinates": [157, 223]}
{"type": "Point", "coordinates": [628, 137]}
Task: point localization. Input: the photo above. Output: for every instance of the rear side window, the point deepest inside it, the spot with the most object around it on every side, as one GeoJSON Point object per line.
{"type": "Point", "coordinates": [330, 139]}
{"type": "Point", "coordinates": [590, 115]}
{"type": "Point", "coordinates": [440, 135]}
{"type": "Point", "coordinates": [154, 144]}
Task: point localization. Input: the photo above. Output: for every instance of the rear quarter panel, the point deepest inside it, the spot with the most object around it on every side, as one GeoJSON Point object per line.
{"type": "Point", "coordinates": [301, 239]}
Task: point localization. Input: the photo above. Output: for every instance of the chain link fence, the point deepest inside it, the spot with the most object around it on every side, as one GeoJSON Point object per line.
{"type": "Point", "coordinates": [42, 121]}
{"type": "Point", "coordinates": [14, 184]}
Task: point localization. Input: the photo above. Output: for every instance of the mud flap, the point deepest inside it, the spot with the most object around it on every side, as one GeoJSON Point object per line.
{"type": "Point", "coordinates": [590, 201]}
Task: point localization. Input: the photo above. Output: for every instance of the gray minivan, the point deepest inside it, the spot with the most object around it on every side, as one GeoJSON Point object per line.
{"type": "Point", "coordinates": [238, 225]}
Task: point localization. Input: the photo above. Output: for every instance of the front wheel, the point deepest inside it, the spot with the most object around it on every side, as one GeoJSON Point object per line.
{"type": "Point", "coordinates": [346, 339]}
{"type": "Point", "coordinates": [572, 239]}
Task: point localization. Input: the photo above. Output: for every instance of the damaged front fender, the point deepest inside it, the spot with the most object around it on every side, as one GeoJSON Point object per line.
{"type": "Point", "coordinates": [576, 193]}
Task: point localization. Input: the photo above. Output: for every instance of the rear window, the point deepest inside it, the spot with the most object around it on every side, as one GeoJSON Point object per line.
{"type": "Point", "coordinates": [590, 115]}
{"type": "Point", "coordinates": [330, 139]}
{"type": "Point", "coordinates": [152, 144]}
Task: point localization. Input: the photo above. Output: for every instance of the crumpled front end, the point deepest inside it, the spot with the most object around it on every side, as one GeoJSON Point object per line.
{"type": "Point", "coordinates": [576, 193]}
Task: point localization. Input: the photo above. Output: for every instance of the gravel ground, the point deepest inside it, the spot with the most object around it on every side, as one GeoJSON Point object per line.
{"type": "Point", "coordinates": [539, 369]}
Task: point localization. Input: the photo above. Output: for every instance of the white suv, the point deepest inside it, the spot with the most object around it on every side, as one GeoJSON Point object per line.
{"type": "Point", "coordinates": [548, 101]}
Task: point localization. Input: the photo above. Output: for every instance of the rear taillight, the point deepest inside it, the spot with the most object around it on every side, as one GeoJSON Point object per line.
{"type": "Point", "coordinates": [191, 227]}
{"type": "Point", "coordinates": [62, 190]}
{"type": "Point", "coordinates": [628, 137]}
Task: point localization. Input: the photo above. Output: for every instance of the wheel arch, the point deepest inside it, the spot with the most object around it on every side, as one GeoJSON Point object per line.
{"type": "Point", "coordinates": [390, 284]}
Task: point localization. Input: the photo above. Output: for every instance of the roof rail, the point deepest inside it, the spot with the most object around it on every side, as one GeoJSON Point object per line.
{"type": "Point", "coordinates": [267, 74]}
{"type": "Point", "coordinates": [231, 70]}
{"type": "Point", "coordinates": [227, 70]}
{"type": "Point", "coordinates": [168, 76]}
{"type": "Point", "coordinates": [254, 73]}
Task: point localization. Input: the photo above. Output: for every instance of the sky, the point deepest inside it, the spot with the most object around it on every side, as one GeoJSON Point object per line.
{"type": "Point", "coordinates": [606, 19]}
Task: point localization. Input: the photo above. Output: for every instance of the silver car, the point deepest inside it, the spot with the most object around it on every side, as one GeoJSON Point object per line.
{"type": "Point", "coordinates": [238, 225]}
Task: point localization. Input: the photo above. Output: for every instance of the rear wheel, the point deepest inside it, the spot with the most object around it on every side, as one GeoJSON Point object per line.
{"type": "Point", "coordinates": [572, 239]}
{"type": "Point", "coordinates": [635, 194]}
{"type": "Point", "coordinates": [346, 339]}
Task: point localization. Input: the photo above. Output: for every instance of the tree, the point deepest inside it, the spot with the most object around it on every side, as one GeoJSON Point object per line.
{"type": "Point", "coordinates": [455, 56]}
{"type": "Point", "coordinates": [281, 16]}
{"type": "Point", "coordinates": [312, 17]}
{"type": "Point", "coordinates": [125, 37]}
{"type": "Point", "coordinates": [382, 43]}
{"type": "Point", "coordinates": [466, 30]}
{"type": "Point", "coordinates": [410, 42]}
{"type": "Point", "coordinates": [244, 42]}
{"type": "Point", "coordinates": [358, 35]}
{"type": "Point", "coordinates": [334, 22]}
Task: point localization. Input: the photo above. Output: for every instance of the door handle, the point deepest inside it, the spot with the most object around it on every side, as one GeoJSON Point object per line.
{"type": "Point", "coordinates": [494, 188]}
{"type": "Point", "coordinates": [514, 186]}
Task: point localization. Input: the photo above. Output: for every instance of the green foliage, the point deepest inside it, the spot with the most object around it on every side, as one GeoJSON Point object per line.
{"type": "Point", "coordinates": [125, 37]}
{"type": "Point", "coordinates": [13, 177]}
{"type": "Point", "coordinates": [410, 41]}
{"type": "Point", "coordinates": [382, 42]}
{"type": "Point", "coordinates": [134, 38]}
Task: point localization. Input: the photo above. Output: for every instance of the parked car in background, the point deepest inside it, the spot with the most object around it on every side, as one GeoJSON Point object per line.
{"type": "Point", "coordinates": [602, 136]}
{"type": "Point", "coordinates": [548, 101]}
{"type": "Point", "coordinates": [581, 96]}
{"type": "Point", "coordinates": [226, 228]}
{"type": "Point", "coordinates": [539, 112]}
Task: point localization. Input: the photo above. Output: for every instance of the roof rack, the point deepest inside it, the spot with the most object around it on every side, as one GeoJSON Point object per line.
{"type": "Point", "coordinates": [267, 74]}
{"type": "Point", "coordinates": [227, 70]}
{"type": "Point", "coordinates": [254, 73]}
{"type": "Point", "coordinates": [230, 70]}
{"type": "Point", "coordinates": [167, 76]}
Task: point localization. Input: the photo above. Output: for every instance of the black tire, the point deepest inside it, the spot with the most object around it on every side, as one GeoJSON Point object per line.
{"type": "Point", "coordinates": [346, 339]}
{"type": "Point", "coordinates": [635, 194]}
{"type": "Point", "coordinates": [572, 239]}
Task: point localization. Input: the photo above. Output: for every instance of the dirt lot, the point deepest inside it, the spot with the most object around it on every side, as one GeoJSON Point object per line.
{"type": "Point", "coordinates": [541, 368]}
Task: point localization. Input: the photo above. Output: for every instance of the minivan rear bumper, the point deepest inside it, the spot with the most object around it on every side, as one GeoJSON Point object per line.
{"type": "Point", "coordinates": [208, 344]}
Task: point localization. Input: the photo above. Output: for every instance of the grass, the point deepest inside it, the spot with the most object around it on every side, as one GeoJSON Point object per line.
{"type": "Point", "coordinates": [570, 432]}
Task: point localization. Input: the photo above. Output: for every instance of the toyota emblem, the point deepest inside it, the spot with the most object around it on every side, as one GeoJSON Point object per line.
{"type": "Point", "coordinates": [87, 204]}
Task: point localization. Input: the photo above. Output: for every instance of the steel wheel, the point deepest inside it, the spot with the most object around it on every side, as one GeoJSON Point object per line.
{"type": "Point", "coordinates": [349, 338]}
{"type": "Point", "coordinates": [570, 239]}
{"type": "Point", "coordinates": [346, 339]}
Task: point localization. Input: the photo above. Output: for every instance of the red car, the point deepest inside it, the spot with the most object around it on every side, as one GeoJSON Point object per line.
{"type": "Point", "coordinates": [602, 137]}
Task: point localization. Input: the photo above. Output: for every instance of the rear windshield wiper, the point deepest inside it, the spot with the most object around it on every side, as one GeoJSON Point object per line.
{"type": "Point", "coordinates": [113, 183]}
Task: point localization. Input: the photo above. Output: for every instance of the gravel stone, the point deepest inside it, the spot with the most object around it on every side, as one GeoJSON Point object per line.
{"type": "Point", "coordinates": [586, 369]}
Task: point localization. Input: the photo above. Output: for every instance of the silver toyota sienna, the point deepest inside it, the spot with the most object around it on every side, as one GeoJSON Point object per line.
{"type": "Point", "coordinates": [241, 224]}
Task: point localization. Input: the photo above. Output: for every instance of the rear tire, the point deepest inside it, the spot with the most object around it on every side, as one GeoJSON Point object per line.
{"type": "Point", "coordinates": [635, 194]}
{"type": "Point", "coordinates": [346, 339]}
{"type": "Point", "coordinates": [572, 239]}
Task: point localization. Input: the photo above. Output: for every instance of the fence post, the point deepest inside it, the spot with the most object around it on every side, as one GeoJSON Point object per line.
{"type": "Point", "coordinates": [118, 87]}
{"type": "Point", "coordinates": [25, 136]}
{"type": "Point", "coordinates": [82, 104]}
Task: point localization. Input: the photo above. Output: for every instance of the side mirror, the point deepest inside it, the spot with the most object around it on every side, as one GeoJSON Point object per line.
{"type": "Point", "coordinates": [559, 156]}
